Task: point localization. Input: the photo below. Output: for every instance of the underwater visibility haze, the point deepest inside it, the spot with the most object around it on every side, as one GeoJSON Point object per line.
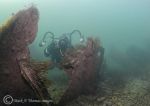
{"type": "Point", "coordinates": [108, 38]}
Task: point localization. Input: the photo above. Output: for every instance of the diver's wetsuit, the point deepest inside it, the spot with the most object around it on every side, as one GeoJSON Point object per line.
{"type": "Point", "coordinates": [57, 49]}
{"type": "Point", "coordinates": [53, 52]}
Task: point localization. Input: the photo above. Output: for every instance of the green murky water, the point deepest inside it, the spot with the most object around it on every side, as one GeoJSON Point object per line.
{"type": "Point", "coordinates": [123, 26]}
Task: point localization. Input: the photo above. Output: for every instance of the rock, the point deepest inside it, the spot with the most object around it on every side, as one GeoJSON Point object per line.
{"type": "Point", "coordinates": [101, 99]}
{"type": "Point", "coordinates": [107, 103]}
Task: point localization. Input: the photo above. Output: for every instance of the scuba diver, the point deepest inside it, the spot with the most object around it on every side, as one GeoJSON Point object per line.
{"type": "Point", "coordinates": [58, 46]}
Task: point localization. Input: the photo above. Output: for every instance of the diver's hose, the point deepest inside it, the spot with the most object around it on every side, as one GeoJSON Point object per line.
{"type": "Point", "coordinates": [81, 37]}
{"type": "Point", "coordinates": [45, 35]}
{"type": "Point", "coordinates": [61, 53]}
{"type": "Point", "coordinates": [52, 36]}
{"type": "Point", "coordinates": [76, 31]}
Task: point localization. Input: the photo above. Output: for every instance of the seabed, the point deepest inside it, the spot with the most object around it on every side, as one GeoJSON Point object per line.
{"type": "Point", "coordinates": [113, 90]}
{"type": "Point", "coordinates": [134, 91]}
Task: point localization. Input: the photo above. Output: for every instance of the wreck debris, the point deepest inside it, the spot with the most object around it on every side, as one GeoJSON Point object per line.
{"type": "Point", "coordinates": [41, 68]}
{"type": "Point", "coordinates": [82, 66]}
{"type": "Point", "coordinates": [17, 78]}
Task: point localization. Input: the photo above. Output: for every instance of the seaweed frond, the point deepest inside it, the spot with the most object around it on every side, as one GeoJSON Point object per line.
{"type": "Point", "coordinates": [7, 24]}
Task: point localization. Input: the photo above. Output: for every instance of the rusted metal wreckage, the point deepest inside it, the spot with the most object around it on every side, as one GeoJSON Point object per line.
{"type": "Point", "coordinates": [20, 80]}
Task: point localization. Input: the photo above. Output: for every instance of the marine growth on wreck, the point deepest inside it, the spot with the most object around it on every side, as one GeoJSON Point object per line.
{"type": "Point", "coordinates": [28, 76]}
{"type": "Point", "coordinates": [80, 72]}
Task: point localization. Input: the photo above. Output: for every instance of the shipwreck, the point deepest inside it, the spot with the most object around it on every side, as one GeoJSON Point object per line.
{"type": "Point", "coordinates": [19, 76]}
